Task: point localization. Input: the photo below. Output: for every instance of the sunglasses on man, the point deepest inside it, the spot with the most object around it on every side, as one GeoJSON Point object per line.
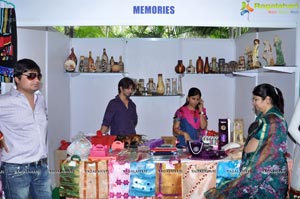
{"type": "Point", "coordinates": [32, 76]}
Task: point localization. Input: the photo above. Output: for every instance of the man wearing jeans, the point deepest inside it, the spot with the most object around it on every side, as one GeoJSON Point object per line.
{"type": "Point", "coordinates": [23, 123]}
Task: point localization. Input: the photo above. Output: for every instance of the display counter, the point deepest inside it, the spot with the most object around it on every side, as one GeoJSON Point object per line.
{"type": "Point", "coordinates": [185, 178]}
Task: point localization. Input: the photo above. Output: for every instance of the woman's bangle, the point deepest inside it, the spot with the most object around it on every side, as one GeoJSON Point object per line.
{"type": "Point", "coordinates": [201, 113]}
{"type": "Point", "coordinates": [1, 136]}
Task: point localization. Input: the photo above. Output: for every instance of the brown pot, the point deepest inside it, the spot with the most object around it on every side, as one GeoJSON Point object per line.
{"type": "Point", "coordinates": [115, 68]}
{"type": "Point", "coordinates": [179, 68]}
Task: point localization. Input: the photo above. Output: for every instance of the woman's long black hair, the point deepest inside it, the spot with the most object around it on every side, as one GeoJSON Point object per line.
{"type": "Point", "coordinates": [192, 92]}
{"type": "Point", "coordinates": [264, 90]}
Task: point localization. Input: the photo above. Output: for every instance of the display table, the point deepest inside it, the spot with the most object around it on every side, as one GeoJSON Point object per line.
{"type": "Point", "coordinates": [188, 179]}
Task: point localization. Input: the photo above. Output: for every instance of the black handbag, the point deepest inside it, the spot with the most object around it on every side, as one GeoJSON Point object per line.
{"type": "Point", "coordinates": [199, 150]}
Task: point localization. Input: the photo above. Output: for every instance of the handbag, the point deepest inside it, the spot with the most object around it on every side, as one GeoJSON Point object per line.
{"type": "Point", "coordinates": [197, 178]}
{"type": "Point", "coordinates": [142, 178]}
{"type": "Point", "coordinates": [199, 150]}
{"type": "Point", "coordinates": [168, 180]}
{"type": "Point", "coordinates": [227, 170]}
{"type": "Point", "coordinates": [70, 177]}
{"type": "Point", "coordinates": [99, 150]}
{"type": "Point", "coordinates": [117, 145]}
{"type": "Point", "coordinates": [103, 140]}
{"type": "Point", "coordinates": [94, 180]}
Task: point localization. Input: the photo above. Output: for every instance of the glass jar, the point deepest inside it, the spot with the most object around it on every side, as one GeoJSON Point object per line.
{"type": "Point", "coordinates": [81, 64]}
{"type": "Point", "coordinates": [213, 65]}
{"type": "Point", "coordinates": [221, 65]}
{"type": "Point", "coordinates": [151, 87]}
{"type": "Point", "coordinates": [190, 68]}
{"type": "Point", "coordinates": [168, 86]}
{"type": "Point", "coordinates": [174, 86]}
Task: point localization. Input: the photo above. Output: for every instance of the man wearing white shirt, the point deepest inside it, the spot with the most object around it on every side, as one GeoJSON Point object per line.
{"type": "Point", "coordinates": [23, 123]}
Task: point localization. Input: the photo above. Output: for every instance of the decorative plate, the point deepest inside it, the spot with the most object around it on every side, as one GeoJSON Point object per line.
{"type": "Point", "coordinates": [70, 65]}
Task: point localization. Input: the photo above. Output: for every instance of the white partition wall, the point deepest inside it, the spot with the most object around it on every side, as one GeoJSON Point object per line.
{"type": "Point", "coordinates": [144, 59]}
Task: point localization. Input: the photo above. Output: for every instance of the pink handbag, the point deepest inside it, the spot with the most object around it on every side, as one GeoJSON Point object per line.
{"type": "Point", "coordinates": [117, 145]}
{"type": "Point", "coordinates": [99, 150]}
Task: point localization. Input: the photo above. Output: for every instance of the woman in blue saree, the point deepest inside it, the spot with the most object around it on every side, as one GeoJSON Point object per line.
{"type": "Point", "coordinates": [263, 171]}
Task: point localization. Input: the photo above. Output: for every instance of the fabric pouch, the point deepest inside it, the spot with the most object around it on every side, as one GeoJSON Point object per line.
{"type": "Point", "coordinates": [94, 180]}
{"type": "Point", "coordinates": [227, 170]}
{"type": "Point", "coordinates": [197, 178]}
{"type": "Point", "coordinates": [168, 180]}
{"type": "Point", "coordinates": [142, 178]}
{"type": "Point", "coordinates": [70, 177]}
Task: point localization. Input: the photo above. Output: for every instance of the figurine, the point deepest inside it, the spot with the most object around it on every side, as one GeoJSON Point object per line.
{"type": "Point", "coordinates": [255, 52]}
{"type": "Point", "coordinates": [267, 54]}
{"type": "Point", "coordinates": [248, 52]}
{"type": "Point", "coordinates": [279, 54]}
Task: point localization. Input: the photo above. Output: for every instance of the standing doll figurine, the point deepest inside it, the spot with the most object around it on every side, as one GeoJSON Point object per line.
{"type": "Point", "coordinates": [256, 63]}
{"type": "Point", "coordinates": [267, 53]}
{"type": "Point", "coordinates": [279, 54]}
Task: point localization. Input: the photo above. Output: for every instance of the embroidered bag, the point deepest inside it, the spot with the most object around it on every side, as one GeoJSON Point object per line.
{"type": "Point", "coordinates": [94, 180]}
{"type": "Point", "coordinates": [142, 178]}
{"type": "Point", "coordinates": [197, 178]}
{"type": "Point", "coordinates": [227, 170]}
{"type": "Point", "coordinates": [70, 177]}
{"type": "Point", "coordinates": [168, 180]}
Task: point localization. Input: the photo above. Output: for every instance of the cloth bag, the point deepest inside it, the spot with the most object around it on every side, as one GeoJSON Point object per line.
{"type": "Point", "coordinates": [168, 180]}
{"type": "Point", "coordinates": [142, 178]}
{"type": "Point", "coordinates": [70, 177]}
{"type": "Point", "coordinates": [119, 179]}
{"type": "Point", "coordinates": [94, 180]}
{"type": "Point", "coordinates": [197, 178]}
{"type": "Point", "coordinates": [227, 170]}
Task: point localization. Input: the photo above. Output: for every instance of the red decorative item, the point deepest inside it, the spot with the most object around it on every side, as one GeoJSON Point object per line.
{"type": "Point", "coordinates": [103, 140]}
{"type": "Point", "coordinates": [212, 133]}
{"type": "Point", "coordinates": [64, 145]}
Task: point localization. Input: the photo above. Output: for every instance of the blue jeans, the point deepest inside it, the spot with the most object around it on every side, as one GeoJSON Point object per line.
{"type": "Point", "coordinates": [21, 180]}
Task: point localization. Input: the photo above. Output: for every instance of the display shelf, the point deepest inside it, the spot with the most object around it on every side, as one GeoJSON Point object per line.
{"type": "Point", "coordinates": [283, 69]}
{"type": "Point", "coordinates": [254, 72]}
{"type": "Point", "coordinates": [179, 95]}
{"type": "Point", "coordinates": [74, 74]}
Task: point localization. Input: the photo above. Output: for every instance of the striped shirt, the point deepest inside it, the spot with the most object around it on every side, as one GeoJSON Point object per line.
{"type": "Point", "coordinates": [24, 129]}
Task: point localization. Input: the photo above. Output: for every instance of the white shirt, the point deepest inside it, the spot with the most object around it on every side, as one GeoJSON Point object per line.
{"type": "Point", "coordinates": [24, 129]}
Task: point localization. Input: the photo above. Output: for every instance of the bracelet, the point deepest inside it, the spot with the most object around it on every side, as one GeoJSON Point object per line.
{"type": "Point", "coordinates": [1, 136]}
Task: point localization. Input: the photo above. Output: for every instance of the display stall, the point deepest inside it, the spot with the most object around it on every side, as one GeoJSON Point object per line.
{"type": "Point", "coordinates": [77, 101]}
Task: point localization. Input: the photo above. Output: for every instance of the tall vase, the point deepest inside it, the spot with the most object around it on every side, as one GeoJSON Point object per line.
{"type": "Point", "coordinates": [160, 85]}
{"type": "Point", "coordinates": [179, 92]}
{"type": "Point", "coordinates": [72, 56]}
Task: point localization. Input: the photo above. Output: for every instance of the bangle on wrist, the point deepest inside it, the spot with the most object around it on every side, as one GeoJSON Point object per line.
{"type": "Point", "coordinates": [201, 113]}
{"type": "Point", "coordinates": [1, 136]}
